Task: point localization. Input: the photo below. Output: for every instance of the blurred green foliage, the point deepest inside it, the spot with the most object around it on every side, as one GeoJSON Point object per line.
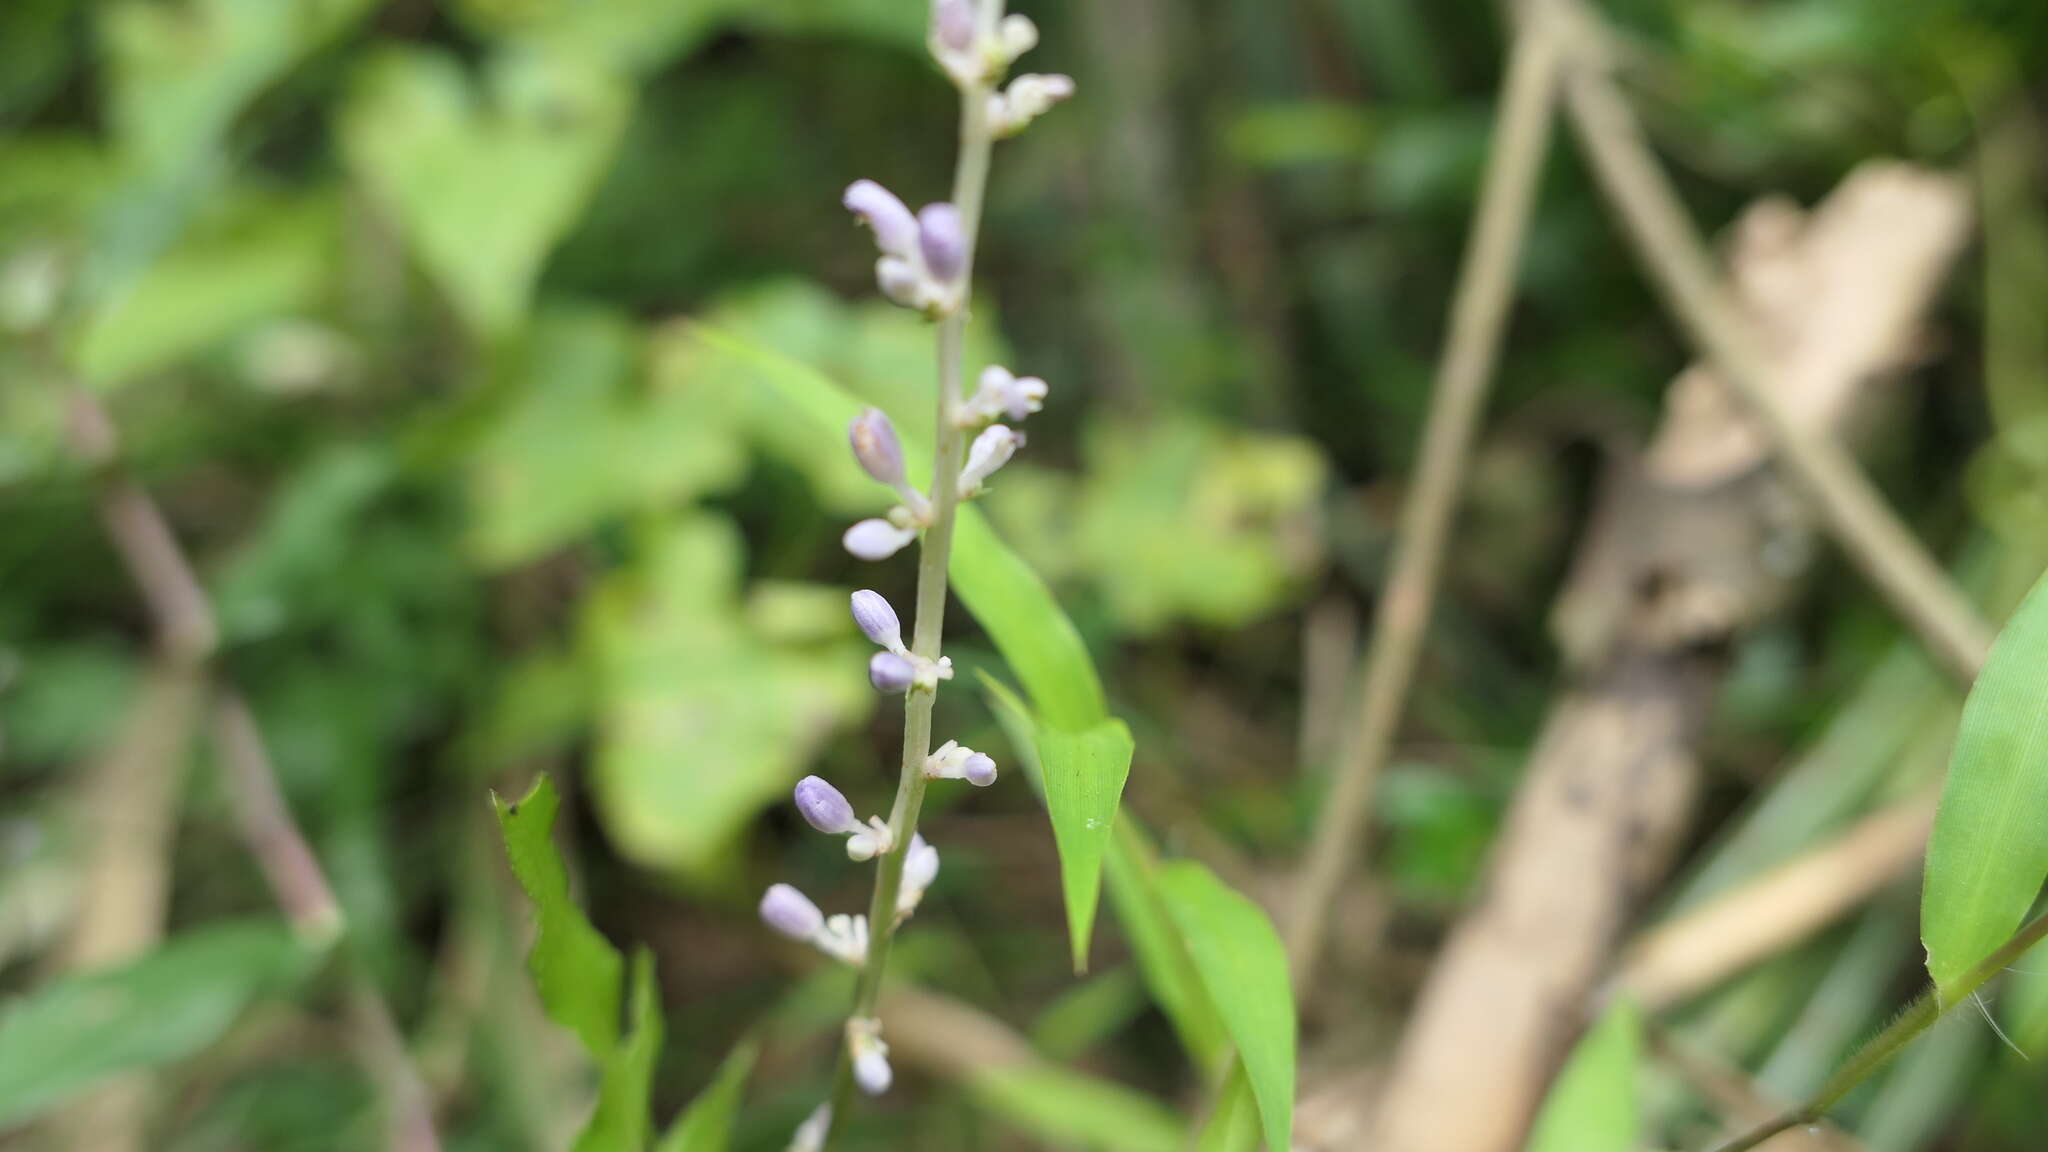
{"type": "Point", "coordinates": [402, 309]}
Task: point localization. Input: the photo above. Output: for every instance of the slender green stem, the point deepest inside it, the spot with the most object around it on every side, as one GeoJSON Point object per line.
{"type": "Point", "coordinates": [970, 181]}
{"type": "Point", "coordinates": [1919, 1016]}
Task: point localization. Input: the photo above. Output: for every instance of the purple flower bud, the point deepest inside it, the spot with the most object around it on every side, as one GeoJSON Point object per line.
{"type": "Point", "coordinates": [894, 227]}
{"type": "Point", "coordinates": [876, 539]}
{"type": "Point", "coordinates": [877, 620]}
{"type": "Point", "coordinates": [953, 24]}
{"type": "Point", "coordinates": [891, 673]}
{"type": "Point", "coordinates": [790, 912]}
{"type": "Point", "coordinates": [979, 770]}
{"type": "Point", "coordinates": [942, 240]}
{"type": "Point", "coordinates": [825, 807]}
{"type": "Point", "coordinates": [875, 445]}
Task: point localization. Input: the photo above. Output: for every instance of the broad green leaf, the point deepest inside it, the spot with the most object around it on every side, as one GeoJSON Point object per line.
{"type": "Point", "coordinates": [577, 971]}
{"type": "Point", "coordinates": [482, 184]}
{"type": "Point", "coordinates": [706, 1125]}
{"type": "Point", "coordinates": [1131, 866]}
{"type": "Point", "coordinates": [63, 1038]}
{"type": "Point", "coordinates": [1989, 851]}
{"type": "Point", "coordinates": [621, 1121]}
{"type": "Point", "coordinates": [1181, 520]}
{"type": "Point", "coordinates": [702, 719]}
{"type": "Point", "coordinates": [1244, 967]}
{"type": "Point", "coordinates": [581, 438]}
{"type": "Point", "coordinates": [1084, 780]}
{"type": "Point", "coordinates": [1592, 1107]}
{"type": "Point", "coordinates": [1075, 1110]}
{"type": "Point", "coordinates": [1234, 1125]}
{"type": "Point", "coordinates": [253, 259]}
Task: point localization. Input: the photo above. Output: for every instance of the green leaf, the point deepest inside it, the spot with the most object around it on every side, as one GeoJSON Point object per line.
{"type": "Point", "coordinates": [577, 971]}
{"type": "Point", "coordinates": [581, 439]}
{"type": "Point", "coordinates": [1234, 1125]}
{"type": "Point", "coordinates": [1084, 779]}
{"type": "Point", "coordinates": [1071, 1109]}
{"type": "Point", "coordinates": [703, 719]}
{"type": "Point", "coordinates": [1593, 1106]}
{"type": "Point", "coordinates": [63, 1038]}
{"type": "Point", "coordinates": [482, 186]}
{"type": "Point", "coordinates": [179, 74]}
{"type": "Point", "coordinates": [255, 258]}
{"type": "Point", "coordinates": [1244, 967]}
{"type": "Point", "coordinates": [1131, 866]}
{"type": "Point", "coordinates": [706, 1125]}
{"type": "Point", "coordinates": [1035, 637]}
{"type": "Point", "coordinates": [1989, 852]}
{"type": "Point", "coordinates": [621, 1121]}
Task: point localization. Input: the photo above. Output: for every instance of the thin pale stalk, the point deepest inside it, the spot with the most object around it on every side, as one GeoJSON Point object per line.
{"type": "Point", "coordinates": [970, 182]}
{"type": "Point", "coordinates": [1471, 347]}
{"type": "Point", "coordinates": [1919, 1016]}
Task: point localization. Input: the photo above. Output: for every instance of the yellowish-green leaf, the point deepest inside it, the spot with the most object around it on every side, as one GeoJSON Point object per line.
{"type": "Point", "coordinates": [1074, 1110]}
{"type": "Point", "coordinates": [1989, 852]}
{"type": "Point", "coordinates": [577, 971]}
{"type": "Point", "coordinates": [580, 438]}
{"type": "Point", "coordinates": [482, 185]}
{"type": "Point", "coordinates": [706, 1125]}
{"type": "Point", "coordinates": [1592, 1107]}
{"type": "Point", "coordinates": [253, 258]}
{"type": "Point", "coordinates": [1234, 1125]}
{"type": "Point", "coordinates": [1244, 968]}
{"type": "Point", "coordinates": [702, 720]}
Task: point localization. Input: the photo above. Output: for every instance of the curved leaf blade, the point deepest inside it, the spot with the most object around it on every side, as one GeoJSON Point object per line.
{"type": "Point", "coordinates": [578, 972]}
{"type": "Point", "coordinates": [706, 1125]}
{"type": "Point", "coordinates": [1244, 967]}
{"type": "Point", "coordinates": [1989, 852]}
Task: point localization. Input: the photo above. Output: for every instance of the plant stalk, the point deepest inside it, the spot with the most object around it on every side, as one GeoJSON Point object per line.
{"type": "Point", "coordinates": [1918, 1017]}
{"type": "Point", "coordinates": [935, 552]}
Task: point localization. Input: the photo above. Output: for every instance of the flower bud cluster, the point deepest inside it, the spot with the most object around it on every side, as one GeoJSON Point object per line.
{"type": "Point", "coordinates": [973, 54]}
{"type": "Point", "coordinates": [924, 257]}
{"type": "Point", "coordinates": [895, 669]}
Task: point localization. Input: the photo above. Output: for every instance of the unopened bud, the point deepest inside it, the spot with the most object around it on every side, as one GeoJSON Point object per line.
{"type": "Point", "coordinates": [1017, 35]}
{"type": "Point", "coordinates": [942, 240]}
{"type": "Point", "coordinates": [953, 24]}
{"type": "Point", "coordinates": [791, 913]}
{"type": "Point", "coordinates": [876, 447]}
{"type": "Point", "coordinates": [891, 674]}
{"type": "Point", "coordinates": [877, 620]}
{"type": "Point", "coordinates": [825, 807]}
{"type": "Point", "coordinates": [870, 1055]}
{"type": "Point", "coordinates": [990, 451]}
{"type": "Point", "coordinates": [876, 539]}
{"type": "Point", "coordinates": [979, 770]}
{"type": "Point", "coordinates": [894, 227]}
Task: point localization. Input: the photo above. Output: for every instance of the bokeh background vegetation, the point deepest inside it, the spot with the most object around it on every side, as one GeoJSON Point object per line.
{"type": "Point", "coordinates": [392, 302]}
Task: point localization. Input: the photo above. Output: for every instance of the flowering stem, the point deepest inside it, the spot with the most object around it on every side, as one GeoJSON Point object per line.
{"type": "Point", "coordinates": [970, 179]}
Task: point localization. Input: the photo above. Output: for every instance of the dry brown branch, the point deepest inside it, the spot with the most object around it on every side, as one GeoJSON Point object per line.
{"type": "Point", "coordinates": [1776, 910]}
{"type": "Point", "coordinates": [1735, 343]}
{"type": "Point", "coordinates": [1693, 544]}
{"type": "Point", "coordinates": [126, 811]}
{"type": "Point", "coordinates": [1458, 397]}
{"type": "Point", "coordinates": [188, 635]}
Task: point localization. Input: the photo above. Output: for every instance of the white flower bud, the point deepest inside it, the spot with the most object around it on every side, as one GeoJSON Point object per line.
{"type": "Point", "coordinates": [891, 674]}
{"type": "Point", "coordinates": [1026, 99]}
{"type": "Point", "coordinates": [791, 913]}
{"type": "Point", "coordinates": [876, 447]}
{"type": "Point", "coordinates": [894, 227]}
{"type": "Point", "coordinates": [942, 241]}
{"type": "Point", "coordinates": [1002, 393]}
{"type": "Point", "coordinates": [870, 1055]}
{"type": "Point", "coordinates": [876, 539]}
{"type": "Point", "coordinates": [990, 451]}
{"type": "Point", "coordinates": [1016, 36]}
{"type": "Point", "coordinates": [810, 1135]}
{"type": "Point", "coordinates": [953, 24]}
{"type": "Point", "coordinates": [825, 807]}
